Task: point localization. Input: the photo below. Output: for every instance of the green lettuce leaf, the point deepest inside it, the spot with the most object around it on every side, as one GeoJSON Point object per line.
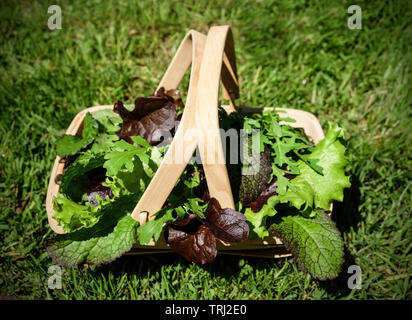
{"type": "Point", "coordinates": [104, 142]}
{"type": "Point", "coordinates": [109, 120]}
{"type": "Point", "coordinates": [69, 145]}
{"type": "Point", "coordinates": [300, 193]}
{"type": "Point", "coordinates": [123, 155]}
{"type": "Point", "coordinates": [258, 219]}
{"type": "Point", "coordinates": [136, 181]}
{"type": "Point", "coordinates": [315, 243]}
{"type": "Point", "coordinates": [330, 153]}
{"type": "Point", "coordinates": [67, 213]}
{"type": "Point", "coordinates": [84, 163]}
{"type": "Point", "coordinates": [312, 189]}
{"type": "Point", "coordinates": [71, 215]}
{"type": "Point", "coordinates": [153, 228]}
{"type": "Point", "coordinates": [112, 236]}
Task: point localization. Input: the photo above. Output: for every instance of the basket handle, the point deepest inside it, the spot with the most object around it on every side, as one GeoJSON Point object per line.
{"type": "Point", "coordinates": [189, 49]}
{"type": "Point", "coordinates": [219, 48]}
{"type": "Point", "coordinates": [201, 111]}
{"type": "Point", "coordinates": [183, 59]}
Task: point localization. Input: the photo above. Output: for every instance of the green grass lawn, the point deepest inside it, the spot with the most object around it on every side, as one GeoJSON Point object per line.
{"type": "Point", "coordinates": [296, 54]}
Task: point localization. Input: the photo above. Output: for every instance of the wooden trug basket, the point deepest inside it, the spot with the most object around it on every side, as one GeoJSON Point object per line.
{"type": "Point", "coordinates": [212, 58]}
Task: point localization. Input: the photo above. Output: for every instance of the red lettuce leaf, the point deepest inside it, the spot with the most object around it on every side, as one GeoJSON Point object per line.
{"type": "Point", "coordinates": [252, 185]}
{"type": "Point", "coordinates": [269, 191]}
{"type": "Point", "coordinates": [150, 117]}
{"type": "Point", "coordinates": [195, 238]}
{"type": "Point", "coordinates": [263, 197]}
{"type": "Point", "coordinates": [192, 240]}
{"type": "Point", "coordinates": [94, 189]}
{"type": "Point", "coordinates": [226, 224]}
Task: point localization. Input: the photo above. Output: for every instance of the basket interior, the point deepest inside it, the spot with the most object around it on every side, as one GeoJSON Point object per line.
{"type": "Point", "coordinates": [268, 247]}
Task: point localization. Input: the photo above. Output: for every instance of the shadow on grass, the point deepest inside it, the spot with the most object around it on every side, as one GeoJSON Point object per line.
{"type": "Point", "coordinates": [346, 216]}
{"type": "Point", "coordinates": [223, 266]}
{"type": "Point", "coordinates": [339, 286]}
{"type": "Point", "coordinates": [228, 267]}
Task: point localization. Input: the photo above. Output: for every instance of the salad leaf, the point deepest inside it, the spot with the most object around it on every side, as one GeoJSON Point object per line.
{"type": "Point", "coordinates": [195, 238]}
{"type": "Point", "coordinates": [150, 117]}
{"type": "Point", "coordinates": [267, 192]}
{"type": "Point", "coordinates": [226, 224]}
{"type": "Point", "coordinates": [69, 145]}
{"type": "Point", "coordinates": [70, 214]}
{"type": "Point", "coordinates": [252, 184]}
{"type": "Point", "coordinates": [136, 181]}
{"type": "Point", "coordinates": [315, 243]}
{"type": "Point", "coordinates": [97, 189]}
{"type": "Point", "coordinates": [258, 219]}
{"type": "Point", "coordinates": [84, 163]}
{"type": "Point", "coordinates": [192, 240]}
{"type": "Point", "coordinates": [153, 228]}
{"type": "Point", "coordinates": [331, 154]}
{"type": "Point", "coordinates": [317, 190]}
{"type": "Point", "coordinates": [103, 143]}
{"type": "Point", "coordinates": [113, 235]}
{"type": "Point", "coordinates": [123, 154]}
{"type": "Point", "coordinates": [284, 141]}
{"type": "Point", "coordinates": [72, 251]}
{"type": "Point", "coordinates": [109, 120]}
{"type": "Point", "coordinates": [300, 193]}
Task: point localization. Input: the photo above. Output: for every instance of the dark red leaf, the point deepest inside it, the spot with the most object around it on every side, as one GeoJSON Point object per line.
{"type": "Point", "coordinates": [96, 188]}
{"type": "Point", "coordinates": [192, 240]}
{"type": "Point", "coordinates": [174, 94]}
{"type": "Point", "coordinates": [191, 223]}
{"type": "Point", "coordinates": [195, 238]}
{"type": "Point", "coordinates": [270, 190]}
{"type": "Point", "coordinates": [143, 107]}
{"type": "Point", "coordinates": [252, 185]}
{"type": "Point", "coordinates": [150, 117]}
{"type": "Point", "coordinates": [267, 192]}
{"type": "Point", "coordinates": [226, 224]}
{"type": "Point", "coordinates": [151, 126]}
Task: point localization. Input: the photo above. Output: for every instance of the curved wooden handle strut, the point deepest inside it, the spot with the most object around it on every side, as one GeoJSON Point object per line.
{"type": "Point", "coordinates": [183, 59]}
{"type": "Point", "coordinates": [186, 54]}
{"type": "Point", "coordinates": [219, 41]}
{"type": "Point", "coordinates": [171, 168]}
{"type": "Point", "coordinates": [200, 112]}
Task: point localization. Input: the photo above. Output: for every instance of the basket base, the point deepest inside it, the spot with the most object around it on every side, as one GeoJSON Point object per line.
{"type": "Point", "coordinates": [270, 247]}
{"type": "Point", "coordinates": [270, 253]}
